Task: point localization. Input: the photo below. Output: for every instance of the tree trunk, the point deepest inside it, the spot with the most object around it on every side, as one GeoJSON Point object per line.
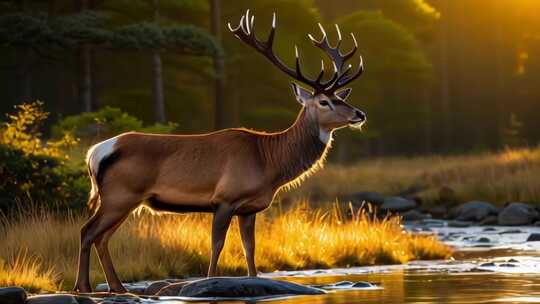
{"type": "Point", "coordinates": [85, 69]}
{"type": "Point", "coordinates": [445, 80]}
{"type": "Point", "coordinates": [219, 68]}
{"type": "Point", "coordinates": [24, 77]}
{"type": "Point", "coordinates": [157, 71]}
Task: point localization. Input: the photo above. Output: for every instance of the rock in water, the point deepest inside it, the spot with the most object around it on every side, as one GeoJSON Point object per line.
{"type": "Point", "coordinates": [59, 299]}
{"type": "Point", "coordinates": [12, 295]}
{"type": "Point", "coordinates": [358, 198]}
{"type": "Point", "coordinates": [474, 211]}
{"type": "Point", "coordinates": [534, 237]}
{"type": "Point", "coordinates": [517, 214]}
{"type": "Point", "coordinates": [244, 287]}
{"type": "Point", "coordinates": [414, 215]}
{"type": "Point", "coordinates": [397, 204]}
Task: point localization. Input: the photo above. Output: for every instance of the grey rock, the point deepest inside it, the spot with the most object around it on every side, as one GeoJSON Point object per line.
{"type": "Point", "coordinates": [12, 295]}
{"type": "Point", "coordinates": [474, 211]}
{"type": "Point", "coordinates": [358, 198]}
{"type": "Point", "coordinates": [414, 215]}
{"type": "Point", "coordinates": [490, 220]}
{"type": "Point", "coordinates": [245, 287]}
{"type": "Point", "coordinates": [397, 204]}
{"type": "Point", "coordinates": [507, 265]}
{"type": "Point", "coordinates": [483, 240]}
{"type": "Point", "coordinates": [436, 211]}
{"type": "Point", "coordinates": [534, 237]}
{"type": "Point", "coordinates": [362, 285]}
{"type": "Point", "coordinates": [172, 290]}
{"type": "Point", "coordinates": [59, 299]}
{"type": "Point", "coordinates": [459, 224]}
{"type": "Point", "coordinates": [155, 287]}
{"type": "Point", "coordinates": [511, 231]}
{"type": "Point", "coordinates": [122, 299]}
{"type": "Point", "coordinates": [517, 214]}
{"type": "Point", "coordinates": [490, 264]}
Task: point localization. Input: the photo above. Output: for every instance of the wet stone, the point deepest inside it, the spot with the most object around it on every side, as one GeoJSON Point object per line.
{"type": "Point", "coordinates": [12, 295]}
{"type": "Point", "coordinates": [512, 231]}
{"type": "Point", "coordinates": [507, 265]}
{"type": "Point", "coordinates": [59, 299]}
{"type": "Point", "coordinates": [490, 264]}
{"type": "Point", "coordinates": [512, 261]}
{"type": "Point", "coordinates": [245, 287]}
{"type": "Point", "coordinates": [534, 237]}
{"type": "Point", "coordinates": [483, 240]}
{"type": "Point", "coordinates": [362, 285]}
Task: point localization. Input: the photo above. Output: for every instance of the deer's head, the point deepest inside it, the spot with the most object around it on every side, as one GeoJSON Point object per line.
{"type": "Point", "coordinates": [326, 102]}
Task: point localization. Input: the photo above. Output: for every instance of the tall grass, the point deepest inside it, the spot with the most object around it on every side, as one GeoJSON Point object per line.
{"type": "Point", "coordinates": [159, 246]}
{"type": "Point", "coordinates": [511, 175]}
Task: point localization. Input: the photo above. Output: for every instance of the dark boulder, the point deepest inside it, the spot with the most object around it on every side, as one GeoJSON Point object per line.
{"type": "Point", "coordinates": [172, 290]}
{"type": "Point", "coordinates": [474, 211]}
{"type": "Point", "coordinates": [242, 287]}
{"type": "Point", "coordinates": [397, 204]}
{"type": "Point", "coordinates": [518, 214]}
{"type": "Point", "coordinates": [534, 237]}
{"type": "Point", "coordinates": [59, 299]}
{"type": "Point", "coordinates": [414, 215]}
{"type": "Point", "coordinates": [359, 198]}
{"type": "Point", "coordinates": [12, 295]}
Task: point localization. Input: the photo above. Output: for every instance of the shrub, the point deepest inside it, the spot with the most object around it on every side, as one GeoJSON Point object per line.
{"type": "Point", "coordinates": [34, 170]}
{"type": "Point", "coordinates": [106, 122]}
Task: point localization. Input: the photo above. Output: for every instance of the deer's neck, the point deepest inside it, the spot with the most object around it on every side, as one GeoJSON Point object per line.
{"type": "Point", "coordinates": [296, 152]}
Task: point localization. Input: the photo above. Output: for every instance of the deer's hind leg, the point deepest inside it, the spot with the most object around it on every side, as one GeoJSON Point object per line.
{"type": "Point", "coordinates": [102, 248]}
{"type": "Point", "coordinates": [113, 208]}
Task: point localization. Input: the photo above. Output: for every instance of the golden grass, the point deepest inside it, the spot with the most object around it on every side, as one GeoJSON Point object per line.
{"type": "Point", "coordinates": [511, 175]}
{"type": "Point", "coordinates": [160, 246]}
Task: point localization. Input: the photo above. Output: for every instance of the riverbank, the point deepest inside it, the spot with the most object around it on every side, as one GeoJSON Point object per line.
{"type": "Point", "coordinates": [39, 249]}
{"type": "Point", "coordinates": [507, 176]}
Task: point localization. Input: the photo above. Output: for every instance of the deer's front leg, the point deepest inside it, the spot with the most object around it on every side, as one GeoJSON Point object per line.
{"type": "Point", "coordinates": [247, 231]}
{"type": "Point", "coordinates": [220, 225]}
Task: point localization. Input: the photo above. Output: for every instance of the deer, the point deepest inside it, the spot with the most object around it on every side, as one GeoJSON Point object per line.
{"type": "Point", "coordinates": [231, 172]}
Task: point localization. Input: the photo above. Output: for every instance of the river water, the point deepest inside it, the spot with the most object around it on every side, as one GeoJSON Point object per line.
{"type": "Point", "coordinates": [491, 265]}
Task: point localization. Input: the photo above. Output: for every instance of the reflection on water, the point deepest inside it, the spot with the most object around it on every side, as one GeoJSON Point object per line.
{"type": "Point", "coordinates": [410, 287]}
{"type": "Point", "coordinates": [432, 282]}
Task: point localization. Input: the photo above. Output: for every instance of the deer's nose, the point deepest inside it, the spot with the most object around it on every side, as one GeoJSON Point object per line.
{"type": "Point", "coordinates": [359, 115]}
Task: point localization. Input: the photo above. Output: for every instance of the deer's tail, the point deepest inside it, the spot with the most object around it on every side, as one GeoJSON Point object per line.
{"type": "Point", "coordinates": [94, 158]}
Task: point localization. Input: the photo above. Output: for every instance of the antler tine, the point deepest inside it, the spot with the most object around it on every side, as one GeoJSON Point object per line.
{"type": "Point", "coordinates": [245, 32]}
{"type": "Point", "coordinates": [321, 73]}
{"type": "Point", "coordinates": [353, 50]}
{"type": "Point", "coordinates": [344, 81]}
{"type": "Point", "coordinates": [339, 37]}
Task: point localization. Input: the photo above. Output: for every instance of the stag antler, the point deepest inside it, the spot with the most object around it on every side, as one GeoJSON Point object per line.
{"type": "Point", "coordinates": [245, 31]}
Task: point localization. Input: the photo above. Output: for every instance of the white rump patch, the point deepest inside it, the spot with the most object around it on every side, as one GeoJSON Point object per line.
{"type": "Point", "coordinates": [98, 152]}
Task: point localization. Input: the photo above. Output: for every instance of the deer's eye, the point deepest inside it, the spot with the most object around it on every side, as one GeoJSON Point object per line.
{"type": "Point", "coordinates": [324, 103]}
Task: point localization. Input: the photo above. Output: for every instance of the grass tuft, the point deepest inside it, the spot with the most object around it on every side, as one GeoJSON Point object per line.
{"type": "Point", "coordinates": [160, 246]}
{"type": "Point", "coordinates": [509, 175]}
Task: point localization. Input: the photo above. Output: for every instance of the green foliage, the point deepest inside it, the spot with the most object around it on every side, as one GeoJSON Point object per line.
{"type": "Point", "coordinates": [106, 122]}
{"type": "Point", "coordinates": [25, 30]}
{"type": "Point", "coordinates": [33, 170]}
{"type": "Point", "coordinates": [41, 180]}
{"type": "Point", "coordinates": [185, 39]}
{"type": "Point", "coordinates": [85, 27]}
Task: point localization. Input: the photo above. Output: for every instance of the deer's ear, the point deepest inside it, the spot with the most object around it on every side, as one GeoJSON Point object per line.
{"type": "Point", "coordinates": [343, 94]}
{"type": "Point", "coordinates": [302, 95]}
